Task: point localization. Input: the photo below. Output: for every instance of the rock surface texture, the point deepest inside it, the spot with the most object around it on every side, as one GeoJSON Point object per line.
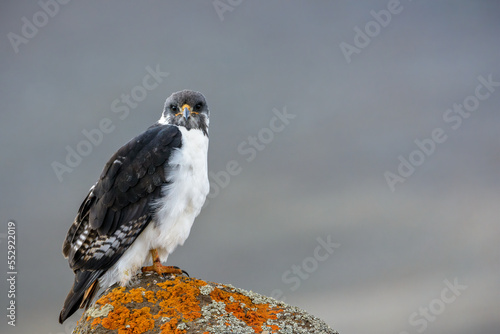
{"type": "Point", "coordinates": [154, 304]}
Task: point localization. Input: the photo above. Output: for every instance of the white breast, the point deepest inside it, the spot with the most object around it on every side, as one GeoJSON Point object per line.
{"type": "Point", "coordinates": [185, 195]}
{"type": "Point", "coordinates": [182, 201]}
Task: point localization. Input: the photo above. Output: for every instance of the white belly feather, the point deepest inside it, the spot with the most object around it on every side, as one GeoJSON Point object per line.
{"type": "Point", "coordinates": [176, 210]}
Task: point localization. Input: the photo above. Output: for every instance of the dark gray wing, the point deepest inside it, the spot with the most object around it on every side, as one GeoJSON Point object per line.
{"type": "Point", "coordinates": [117, 208]}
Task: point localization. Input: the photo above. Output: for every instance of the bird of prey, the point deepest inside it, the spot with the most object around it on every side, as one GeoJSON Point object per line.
{"type": "Point", "coordinates": [143, 204]}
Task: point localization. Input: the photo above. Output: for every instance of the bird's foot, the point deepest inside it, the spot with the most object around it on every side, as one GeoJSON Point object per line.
{"type": "Point", "coordinates": [160, 269]}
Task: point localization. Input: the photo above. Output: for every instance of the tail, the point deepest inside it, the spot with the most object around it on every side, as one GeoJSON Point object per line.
{"type": "Point", "coordinates": [81, 294]}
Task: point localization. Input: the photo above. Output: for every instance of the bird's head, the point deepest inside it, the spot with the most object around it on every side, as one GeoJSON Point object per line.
{"type": "Point", "coordinates": [186, 108]}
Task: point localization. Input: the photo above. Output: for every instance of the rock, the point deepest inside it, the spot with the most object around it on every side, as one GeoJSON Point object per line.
{"type": "Point", "coordinates": [154, 304]}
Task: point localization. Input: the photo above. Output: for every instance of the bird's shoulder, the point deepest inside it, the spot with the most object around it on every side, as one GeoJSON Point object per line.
{"type": "Point", "coordinates": [135, 171]}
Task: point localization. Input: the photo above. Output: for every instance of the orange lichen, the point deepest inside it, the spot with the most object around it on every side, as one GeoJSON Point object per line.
{"type": "Point", "coordinates": [179, 301]}
{"type": "Point", "coordinates": [142, 320]}
{"type": "Point", "coordinates": [171, 327]}
{"type": "Point", "coordinates": [150, 296]}
{"type": "Point", "coordinates": [242, 307]}
{"type": "Point", "coordinates": [118, 295]}
{"type": "Point", "coordinates": [136, 295]}
{"type": "Point", "coordinates": [136, 322]}
{"type": "Point", "coordinates": [274, 327]}
{"type": "Point", "coordinates": [95, 322]}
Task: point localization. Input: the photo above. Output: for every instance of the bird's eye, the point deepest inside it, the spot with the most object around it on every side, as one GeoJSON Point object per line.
{"type": "Point", "coordinates": [198, 106]}
{"type": "Point", "coordinates": [173, 107]}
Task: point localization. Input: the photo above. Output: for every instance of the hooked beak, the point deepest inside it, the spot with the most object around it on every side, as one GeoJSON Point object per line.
{"type": "Point", "coordinates": [186, 111]}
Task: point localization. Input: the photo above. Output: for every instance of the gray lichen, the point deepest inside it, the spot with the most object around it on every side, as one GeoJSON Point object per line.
{"type": "Point", "coordinates": [96, 311]}
{"type": "Point", "coordinates": [206, 289]}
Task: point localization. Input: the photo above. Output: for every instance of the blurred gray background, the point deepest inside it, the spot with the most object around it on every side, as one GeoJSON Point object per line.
{"type": "Point", "coordinates": [321, 176]}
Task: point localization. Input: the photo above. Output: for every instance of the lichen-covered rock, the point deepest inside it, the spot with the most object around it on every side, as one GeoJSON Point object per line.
{"type": "Point", "coordinates": [154, 304]}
